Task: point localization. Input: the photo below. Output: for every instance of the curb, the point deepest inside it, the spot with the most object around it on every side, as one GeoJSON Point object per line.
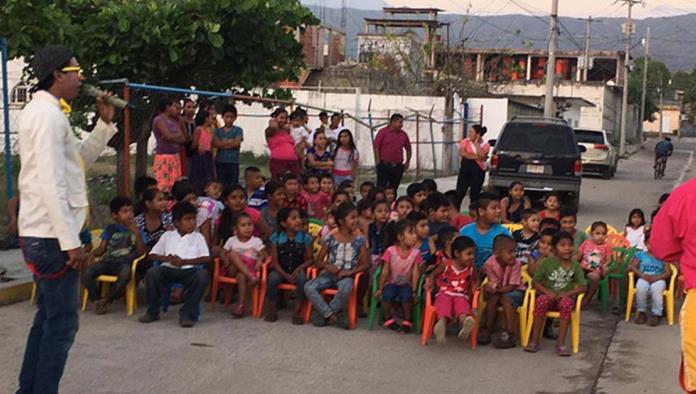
{"type": "Point", "coordinates": [15, 291]}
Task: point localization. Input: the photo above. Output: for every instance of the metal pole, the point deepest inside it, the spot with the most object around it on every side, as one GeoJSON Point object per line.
{"type": "Point", "coordinates": [645, 81]}
{"type": "Point", "coordinates": [549, 111]}
{"type": "Point", "coordinates": [417, 146]}
{"type": "Point", "coordinates": [624, 101]}
{"type": "Point", "coordinates": [432, 138]}
{"type": "Point", "coordinates": [586, 65]}
{"type": "Point", "coordinates": [661, 94]}
{"type": "Point", "coordinates": [6, 120]}
{"type": "Point", "coordinates": [126, 142]}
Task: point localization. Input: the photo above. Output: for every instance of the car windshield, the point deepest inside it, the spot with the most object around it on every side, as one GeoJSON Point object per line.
{"type": "Point", "coordinates": [589, 136]}
{"type": "Point", "coordinates": [548, 139]}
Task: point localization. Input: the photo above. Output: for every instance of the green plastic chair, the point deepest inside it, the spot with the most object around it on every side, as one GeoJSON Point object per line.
{"type": "Point", "coordinates": [618, 269]}
{"type": "Point", "coordinates": [376, 305]}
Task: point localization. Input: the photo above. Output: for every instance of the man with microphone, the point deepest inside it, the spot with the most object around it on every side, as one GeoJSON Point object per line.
{"type": "Point", "coordinates": [53, 210]}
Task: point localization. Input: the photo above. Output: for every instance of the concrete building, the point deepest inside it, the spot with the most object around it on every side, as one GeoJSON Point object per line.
{"type": "Point", "coordinates": [667, 119]}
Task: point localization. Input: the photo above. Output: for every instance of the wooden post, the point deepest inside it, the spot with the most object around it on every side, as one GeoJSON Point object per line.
{"type": "Point", "coordinates": [417, 146]}
{"type": "Point", "coordinates": [126, 143]}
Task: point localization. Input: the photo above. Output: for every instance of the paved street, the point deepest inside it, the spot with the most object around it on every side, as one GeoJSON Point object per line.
{"type": "Point", "coordinates": [115, 354]}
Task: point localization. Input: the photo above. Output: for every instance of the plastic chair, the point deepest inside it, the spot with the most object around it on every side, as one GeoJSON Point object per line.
{"type": "Point", "coordinates": [522, 311]}
{"type": "Point", "coordinates": [315, 226]}
{"type": "Point", "coordinates": [668, 294]}
{"type": "Point", "coordinates": [621, 258]}
{"type": "Point", "coordinates": [512, 227]}
{"type": "Point", "coordinates": [429, 318]}
{"type": "Point", "coordinates": [219, 279]}
{"type": "Point", "coordinates": [352, 300]}
{"type": "Point", "coordinates": [574, 319]}
{"type": "Point", "coordinates": [611, 230]}
{"type": "Point", "coordinates": [131, 297]}
{"type": "Point", "coordinates": [376, 305]}
{"type": "Point", "coordinates": [96, 240]}
{"type": "Point", "coordinates": [282, 286]}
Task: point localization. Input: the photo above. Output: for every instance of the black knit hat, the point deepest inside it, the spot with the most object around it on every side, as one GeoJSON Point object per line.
{"type": "Point", "coordinates": [47, 60]}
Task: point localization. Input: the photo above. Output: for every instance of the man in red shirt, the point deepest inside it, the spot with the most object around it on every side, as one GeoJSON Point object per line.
{"type": "Point", "coordinates": [673, 238]}
{"type": "Point", "coordinates": [389, 148]}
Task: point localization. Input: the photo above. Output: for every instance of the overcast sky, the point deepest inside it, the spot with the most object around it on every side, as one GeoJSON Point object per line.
{"type": "Point", "coordinates": [575, 8]}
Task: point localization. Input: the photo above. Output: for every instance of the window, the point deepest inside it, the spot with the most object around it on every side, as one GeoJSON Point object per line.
{"type": "Point", "coordinates": [19, 94]}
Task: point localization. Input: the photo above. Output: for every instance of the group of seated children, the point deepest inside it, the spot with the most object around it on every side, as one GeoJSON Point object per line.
{"type": "Point", "coordinates": [418, 235]}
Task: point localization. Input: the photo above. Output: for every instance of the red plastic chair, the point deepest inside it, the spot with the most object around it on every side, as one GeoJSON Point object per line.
{"type": "Point", "coordinates": [429, 318]}
{"type": "Point", "coordinates": [282, 286]}
{"type": "Point", "coordinates": [229, 281]}
{"type": "Point", "coordinates": [352, 300]}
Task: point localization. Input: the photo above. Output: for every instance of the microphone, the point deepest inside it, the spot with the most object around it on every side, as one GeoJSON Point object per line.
{"type": "Point", "coordinates": [93, 91]}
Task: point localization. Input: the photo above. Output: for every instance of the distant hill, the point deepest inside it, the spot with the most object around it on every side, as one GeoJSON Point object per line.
{"type": "Point", "coordinates": [672, 42]}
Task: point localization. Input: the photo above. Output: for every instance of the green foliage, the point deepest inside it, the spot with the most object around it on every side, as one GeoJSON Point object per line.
{"type": "Point", "coordinates": [210, 44]}
{"type": "Point", "coordinates": [658, 80]}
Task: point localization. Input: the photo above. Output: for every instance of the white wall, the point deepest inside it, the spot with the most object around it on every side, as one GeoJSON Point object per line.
{"type": "Point", "coordinates": [494, 116]}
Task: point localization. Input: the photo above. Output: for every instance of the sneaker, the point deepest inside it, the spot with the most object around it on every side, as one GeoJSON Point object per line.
{"type": "Point", "coordinates": [505, 341]}
{"type": "Point", "coordinates": [467, 325]}
{"type": "Point", "coordinates": [317, 320]}
{"type": "Point", "coordinates": [148, 318]}
{"type": "Point", "coordinates": [439, 331]}
{"type": "Point", "coordinates": [342, 320]}
{"type": "Point", "coordinates": [406, 327]}
{"type": "Point", "coordinates": [642, 318]}
{"type": "Point", "coordinates": [271, 314]}
{"type": "Point", "coordinates": [654, 320]}
{"type": "Point", "coordinates": [186, 322]}
{"type": "Point", "coordinates": [100, 306]}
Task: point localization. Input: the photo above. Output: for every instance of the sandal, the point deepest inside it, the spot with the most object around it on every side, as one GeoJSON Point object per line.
{"type": "Point", "coordinates": [532, 347]}
{"type": "Point", "coordinates": [467, 326]}
{"type": "Point", "coordinates": [406, 327]}
{"type": "Point", "coordinates": [562, 351]}
{"type": "Point", "coordinates": [238, 312]}
{"type": "Point", "coordinates": [392, 325]}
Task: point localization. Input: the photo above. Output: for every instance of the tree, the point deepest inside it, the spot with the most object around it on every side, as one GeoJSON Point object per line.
{"type": "Point", "coordinates": [211, 44]}
{"type": "Point", "coordinates": [658, 81]}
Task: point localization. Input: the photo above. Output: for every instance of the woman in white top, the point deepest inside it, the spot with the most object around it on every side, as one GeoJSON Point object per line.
{"type": "Point", "coordinates": [635, 229]}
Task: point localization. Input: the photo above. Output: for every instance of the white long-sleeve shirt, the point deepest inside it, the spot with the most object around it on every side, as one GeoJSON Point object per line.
{"type": "Point", "coordinates": [52, 175]}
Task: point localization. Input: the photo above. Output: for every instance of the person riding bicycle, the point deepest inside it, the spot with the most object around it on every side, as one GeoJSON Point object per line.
{"type": "Point", "coordinates": [663, 150]}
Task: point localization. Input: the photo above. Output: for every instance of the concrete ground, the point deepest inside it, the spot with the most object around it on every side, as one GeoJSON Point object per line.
{"type": "Point", "coordinates": [116, 354]}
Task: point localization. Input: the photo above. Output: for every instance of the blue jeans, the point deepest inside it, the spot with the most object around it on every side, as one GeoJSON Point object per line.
{"type": "Point", "coordinates": [275, 279]}
{"type": "Point", "coordinates": [56, 321]}
{"type": "Point", "coordinates": [327, 280]}
{"type": "Point", "coordinates": [516, 297]}
{"type": "Point", "coordinates": [654, 291]}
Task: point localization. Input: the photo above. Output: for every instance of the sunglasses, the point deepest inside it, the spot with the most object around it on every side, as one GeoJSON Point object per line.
{"type": "Point", "coordinates": [76, 69]}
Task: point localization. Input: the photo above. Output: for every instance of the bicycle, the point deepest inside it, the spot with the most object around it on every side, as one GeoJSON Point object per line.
{"type": "Point", "coordinates": [660, 165]}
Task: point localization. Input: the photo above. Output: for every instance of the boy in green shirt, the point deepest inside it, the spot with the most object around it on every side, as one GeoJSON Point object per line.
{"type": "Point", "coordinates": [569, 219]}
{"type": "Point", "coordinates": [558, 279]}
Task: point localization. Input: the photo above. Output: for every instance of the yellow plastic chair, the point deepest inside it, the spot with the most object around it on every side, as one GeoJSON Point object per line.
{"type": "Point", "coordinates": [574, 319]}
{"type": "Point", "coordinates": [522, 311]}
{"type": "Point", "coordinates": [131, 298]}
{"type": "Point", "coordinates": [610, 229]}
{"type": "Point", "coordinates": [512, 227]}
{"type": "Point", "coordinates": [668, 294]}
{"type": "Point", "coordinates": [96, 239]}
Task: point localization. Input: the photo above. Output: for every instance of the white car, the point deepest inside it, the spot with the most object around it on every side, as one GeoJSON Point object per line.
{"type": "Point", "coordinates": [601, 156]}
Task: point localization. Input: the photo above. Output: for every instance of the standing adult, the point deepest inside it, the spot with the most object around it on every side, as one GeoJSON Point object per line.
{"type": "Point", "coordinates": [185, 151]}
{"type": "Point", "coordinates": [473, 152]}
{"type": "Point", "coordinates": [53, 210]}
{"type": "Point", "coordinates": [673, 238]}
{"type": "Point", "coordinates": [282, 146]}
{"type": "Point", "coordinates": [390, 143]}
{"type": "Point", "coordinates": [168, 135]}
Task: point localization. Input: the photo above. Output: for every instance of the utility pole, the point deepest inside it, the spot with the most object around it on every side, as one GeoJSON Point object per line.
{"type": "Point", "coordinates": [549, 110]}
{"type": "Point", "coordinates": [586, 64]}
{"type": "Point", "coordinates": [344, 12]}
{"type": "Point", "coordinates": [645, 80]}
{"type": "Point", "coordinates": [628, 30]}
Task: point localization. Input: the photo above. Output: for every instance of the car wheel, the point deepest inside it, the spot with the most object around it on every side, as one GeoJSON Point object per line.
{"type": "Point", "coordinates": [606, 174]}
